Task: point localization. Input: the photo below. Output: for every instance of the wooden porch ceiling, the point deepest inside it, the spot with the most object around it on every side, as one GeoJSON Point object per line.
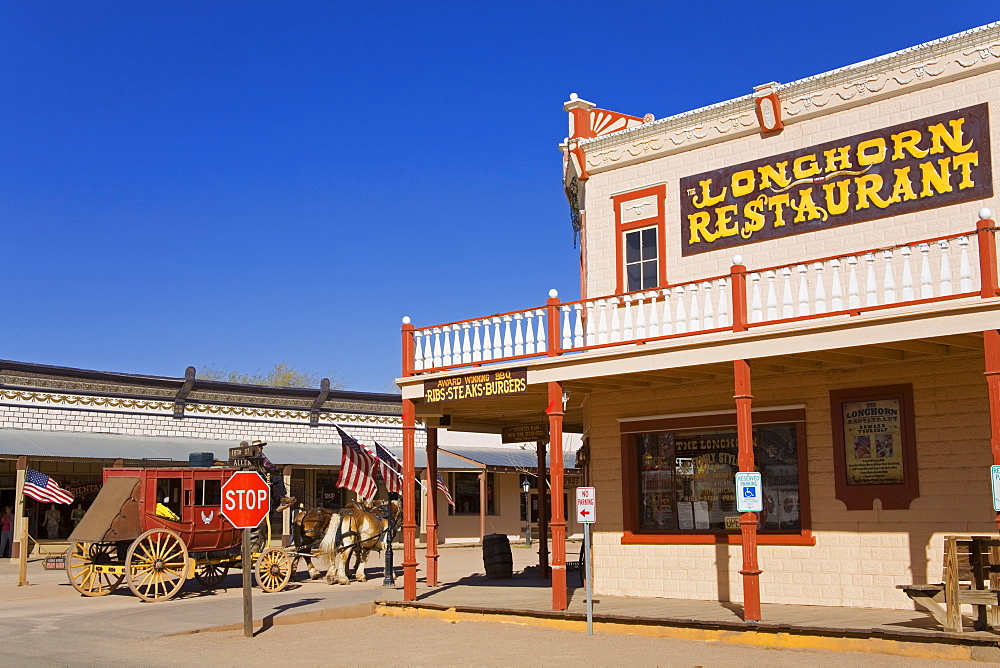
{"type": "Point", "coordinates": [492, 414]}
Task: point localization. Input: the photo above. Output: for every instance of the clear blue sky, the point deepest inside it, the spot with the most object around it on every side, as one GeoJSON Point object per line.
{"type": "Point", "coordinates": [242, 183]}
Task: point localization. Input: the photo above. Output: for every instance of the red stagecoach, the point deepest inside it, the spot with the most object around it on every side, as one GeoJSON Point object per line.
{"type": "Point", "coordinates": [157, 527]}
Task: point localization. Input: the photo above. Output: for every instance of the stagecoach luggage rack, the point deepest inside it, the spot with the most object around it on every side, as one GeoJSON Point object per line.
{"type": "Point", "coordinates": [201, 459]}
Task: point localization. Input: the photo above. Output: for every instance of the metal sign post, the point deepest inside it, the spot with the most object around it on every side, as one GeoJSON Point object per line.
{"type": "Point", "coordinates": [246, 501]}
{"type": "Point", "coordinates": [586, 504]}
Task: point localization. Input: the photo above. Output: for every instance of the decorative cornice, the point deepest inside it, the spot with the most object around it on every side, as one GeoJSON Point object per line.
{"type": "Point", "coordinates": [894, 73]}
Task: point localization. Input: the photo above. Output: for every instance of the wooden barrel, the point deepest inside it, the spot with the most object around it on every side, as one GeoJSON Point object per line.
{"type": "Point", "coordinates": [497, 557]}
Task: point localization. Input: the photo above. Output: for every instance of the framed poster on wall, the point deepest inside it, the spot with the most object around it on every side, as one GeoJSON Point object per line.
{"type": "Point", "coordinates": [874, 446]}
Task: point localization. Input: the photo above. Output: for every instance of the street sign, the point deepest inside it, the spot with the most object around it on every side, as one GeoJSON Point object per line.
{"type": "Point", "coordinates": [246, 499]}
{"type": "Point", "coordinates": [995, 477]}
{"type": "Point", "coordinates": [586, 505]}
{"type": "Point", "coordinates": [245, 456]}
{"type": "Point", "coordinates": [749, 498]}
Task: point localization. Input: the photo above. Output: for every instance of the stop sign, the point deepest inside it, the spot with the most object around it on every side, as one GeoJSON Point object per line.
{"type": "Point", "coordinates": [246, 499]}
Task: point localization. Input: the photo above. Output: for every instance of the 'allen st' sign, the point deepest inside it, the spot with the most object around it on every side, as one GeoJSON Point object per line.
{"type": "Point", "coordinates": [477, 385]}
{"type": "Point", "coordinates": [923, 164]}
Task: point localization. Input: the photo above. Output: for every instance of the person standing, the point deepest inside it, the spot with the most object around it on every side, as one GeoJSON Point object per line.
{"type": "Point", "coordinates": [53, 518]}
{"type": "Point", "coordinates": [6, 532]}
{"type": "Point", "coordinates": [77, 515]}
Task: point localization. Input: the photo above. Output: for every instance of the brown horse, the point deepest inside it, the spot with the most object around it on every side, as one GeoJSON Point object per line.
{"type": "Point", "coordinates": [308, 529]}
{"type": "Point", "coordinates": [355, 531]}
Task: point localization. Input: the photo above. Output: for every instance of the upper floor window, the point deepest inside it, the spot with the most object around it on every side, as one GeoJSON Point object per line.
{"type": "Point", "coordinates": [640, 246]}
{"type": "Point", "coordinates": [641, 260]}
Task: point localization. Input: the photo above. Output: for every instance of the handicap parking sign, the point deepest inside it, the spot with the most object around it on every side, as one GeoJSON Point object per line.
{"type": "Point", "coordinates": [748, 493]}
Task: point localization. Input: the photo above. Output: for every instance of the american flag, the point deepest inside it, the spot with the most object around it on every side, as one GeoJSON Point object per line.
{"type": "Point", "coordinates": [356, 468]}
{"type": "Point", "coordinates": [447, 492]}
{"type": "Point", "coordinates": [391, 468]}
{"type": "Point", "coordinates": [42, 488]}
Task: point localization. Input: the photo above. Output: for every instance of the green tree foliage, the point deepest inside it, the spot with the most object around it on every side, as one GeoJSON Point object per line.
{"type": "Point", "coordinates": [281, 374]}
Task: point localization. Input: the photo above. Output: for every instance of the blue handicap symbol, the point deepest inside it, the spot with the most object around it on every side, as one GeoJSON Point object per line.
{"type": "Point", "coordinates": [749, 492]}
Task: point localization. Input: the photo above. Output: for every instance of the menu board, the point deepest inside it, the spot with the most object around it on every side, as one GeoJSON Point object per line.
{"type": "Point", "coordinates": [873, 442]}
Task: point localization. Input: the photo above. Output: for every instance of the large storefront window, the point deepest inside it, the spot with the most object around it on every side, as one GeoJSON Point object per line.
{"type": "Point", "coordinates": [465, 489]}
{"type": "Point", "coordinates": [684, 478]}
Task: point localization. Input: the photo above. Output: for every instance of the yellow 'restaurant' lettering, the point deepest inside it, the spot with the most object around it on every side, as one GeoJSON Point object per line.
{"type": "Point", "coordinates": [834, 182]}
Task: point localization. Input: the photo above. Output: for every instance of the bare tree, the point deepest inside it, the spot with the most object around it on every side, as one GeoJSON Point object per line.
{"type": "Point", "coordinates": [281, 374]}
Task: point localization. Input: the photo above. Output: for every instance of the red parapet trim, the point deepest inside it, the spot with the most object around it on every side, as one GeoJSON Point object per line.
{"type": "Point", "coordinates": [866, 252]}
{"type": "Point", "coordinates": [804, 537]}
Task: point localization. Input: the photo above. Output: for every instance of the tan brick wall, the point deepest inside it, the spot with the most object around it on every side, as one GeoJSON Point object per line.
{"type": "Point", "coordinates": [873, 115]}
{"type": "Point", "coordinates": [859, 556]}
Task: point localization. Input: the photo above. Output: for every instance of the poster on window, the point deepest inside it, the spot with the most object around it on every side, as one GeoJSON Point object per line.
{"type": "Point", "coordinates": [873, 442]}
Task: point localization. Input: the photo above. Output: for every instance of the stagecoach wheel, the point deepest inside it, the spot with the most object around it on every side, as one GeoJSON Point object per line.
{"type": "Point", "coordinates": [155, 565]}
{"type": "Point", "coordinates": [210, 575]}
{"type": "Point", "coordinates": [81, 558]}
{"type": "Point", "coordinates": [273, 569]}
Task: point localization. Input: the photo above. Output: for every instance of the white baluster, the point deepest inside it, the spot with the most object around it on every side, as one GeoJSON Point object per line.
{"type": "Point", "coordinates": [591, 323]}
{"type": "Point", "coordinates": [889, 281]}
{"type": "Point", "coordinates": [477, 343]}
{"type": "Point", "coordinates": [466, 344]}
{"type": "Point", "coordinates": [627, 333]}
{"type": "Point", "coordinates": [772, 298]}
{"type": "Point", "coordinates": [418, 350]}
{"type": "Point", "coordinates": [654, 316]}
{"type": "Point", "coordinates": [497, 339]}
{"type": "Point", "coordinates": [803, 290]}
{"type": "Point", "coordinates": [616, 325]}
{"type": "Point", "coordinates": [437, 347]}
{"type": "Point", "coordinates": [836, 293]}
{"type": "Point", "coordinates": [723, 319]}
{"type": "Point", "coordinates": [964, 268]}
{"type": "Point", "coordinates": [853, 295]}
{"type": "Point", "coordinates": [446, 357]}
{"type": "Point", "coordinates": [666, 324]}
{"type": "Point", "coordinates": [820, 299]}
{"type": "Point", "coordinates": [529, 332]}
{"type": "Point", "coordinates": [567, 332]}
{"type": "Point", "coordinates": [541, 336]}
{"type": "Point", "coordinates": [518, 334]}
{"type": "Point", "coordinates": [578, 326]}
{"type": "Point", "coordinates": [756, 309]}
{"type": "Point", "coordinates": [602, 321]}
{"type": "Point", "coordinates": [871, 287]}
{"type": "Point", "coordinates": [926, 289]}
{"type": "Point", "coordinates": [694, 317]}
{"type": "Point", "coordinates": [680, 321]}
{"type": "Point", "coordinates": [787, 310]}
{"type": "Point", "coordinates": [945, 267]}
{"type": "Point", "coordinates": [640, 317]}
{"type": "Point", "coordinates": [907, 274]}
{"type": "Point", "coordinates": [487, 341]}
{"type": "Point", "coordinates": [508, 340]}
{"type": "Point", "coordinates": [707, 312]}
{"type": "Point", "coordinates": [428, 349]}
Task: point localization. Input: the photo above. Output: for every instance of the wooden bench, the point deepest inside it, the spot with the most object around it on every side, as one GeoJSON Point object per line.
{"type": "Point", "coordinates": [971, 577]}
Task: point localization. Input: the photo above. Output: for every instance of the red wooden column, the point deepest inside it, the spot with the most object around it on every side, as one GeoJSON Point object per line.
{"type": "Point", "coordinates": [991, 348]}
{"type": "Point", "coordinates": [748, 521]}
{"type": "Point", "coordinates": [409, 475]}
{"type": "Point", "coordinates": [482, 506]}
{"type": "Point", "coordinates": [738, 293]}
{"type": "Point", "coordinates": [558, 523]}
{"type": "Point", "coordinates": [986, 233]}
{"type": "Point", "coordinates": [543, 515]}
{"type": "Point", "coordinates": [432, 522]}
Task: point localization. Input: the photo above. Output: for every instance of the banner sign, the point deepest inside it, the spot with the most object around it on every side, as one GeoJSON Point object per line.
{"type": "Point", "coordinates": [525, 433]}
{"type": "Point", "coordinates": [923, 164]}
{"type": "Point", "coordinates": [474, 386]}
{"type": "Point", "coordinates": [873, 442]}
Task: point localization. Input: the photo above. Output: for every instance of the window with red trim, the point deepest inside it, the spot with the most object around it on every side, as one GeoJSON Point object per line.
{"type": "Point", "coordinates": [641, 243]}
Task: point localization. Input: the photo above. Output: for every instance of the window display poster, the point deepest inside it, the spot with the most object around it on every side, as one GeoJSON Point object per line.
{"type": "Point", "coordinates": [873, 442]}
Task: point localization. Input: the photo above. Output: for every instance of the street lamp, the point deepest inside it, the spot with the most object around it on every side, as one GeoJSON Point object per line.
{"type": "Point", "coordinates": [526, 487]}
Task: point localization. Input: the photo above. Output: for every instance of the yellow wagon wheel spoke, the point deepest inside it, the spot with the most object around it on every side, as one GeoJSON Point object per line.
{"type": "Point", "coordinates": [155, 565]}
{"type": "Point", "coordinates": [80, 561]}
{"type": "Point", "coordinates": [211, 574]}
{"type": "Point", "coordinates": [273, 570]}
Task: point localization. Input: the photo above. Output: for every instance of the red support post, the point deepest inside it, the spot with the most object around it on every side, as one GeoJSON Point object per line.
{"type": "Point", "coordinates": [986, 233]}
{"type": "Point", "coordinates": [558, 523]}
{"type": "Point", "coordinates": [543, 515]}
{"type": "Point", "coordinates": [409, 503]}
{"type": "Point", "coordinates": [407, 347]}
{"type": "Point", "coordinates": [738, 293]}
{"type": "Point", "coordinates": [991, 350]}
{"type": "Point", "coordinates": [432, 522]}
{"type": "Point", "coordinates": [552, 306]}
{"type": "Point", "coordinates": [748, 521]}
